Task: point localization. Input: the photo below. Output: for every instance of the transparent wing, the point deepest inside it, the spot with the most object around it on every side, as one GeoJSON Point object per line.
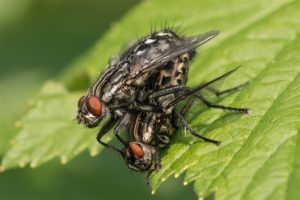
{"type": "Point", "coordinates": [188, 44]}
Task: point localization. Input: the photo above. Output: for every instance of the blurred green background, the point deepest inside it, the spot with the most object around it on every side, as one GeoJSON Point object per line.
{"type": "Point", "coordinates": [38, 39]}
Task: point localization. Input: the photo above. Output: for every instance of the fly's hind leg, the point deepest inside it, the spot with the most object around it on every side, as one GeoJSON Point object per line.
{"type": "Point", "coordinates": [212, 105]}
{"type": "Point", "coordinates": [183, 111]}
{"type": "Point", "coordinates": [218, 93]}
{"type": "Point", "coordinates": [191, 100]}
{"type": "Point", "coordinates": [186, 107]}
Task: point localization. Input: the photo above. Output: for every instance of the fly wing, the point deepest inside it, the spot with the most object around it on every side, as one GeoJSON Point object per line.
{"type": "Point", "coordinates": [188, 44]}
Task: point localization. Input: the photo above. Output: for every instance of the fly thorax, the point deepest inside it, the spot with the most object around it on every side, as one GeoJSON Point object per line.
{"type": "Point", "coordinates": [110, 91]}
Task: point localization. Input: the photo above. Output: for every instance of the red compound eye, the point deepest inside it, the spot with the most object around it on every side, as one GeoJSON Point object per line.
{"type": "Point", "coordinates": [80, 101]}
{"type": "Point", "coordinates": [136, 149]}
{"type": "Point", "coordinates": [94, 106]}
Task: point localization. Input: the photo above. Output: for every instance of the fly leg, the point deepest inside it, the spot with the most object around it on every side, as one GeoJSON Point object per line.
{"type": "Point", "coordinates": [193, 92]}
{"type": "Point", "coordinates": [148, 176]}
{"type": "Point", "coordinates": [157, 159]}
{"type": "Point", "coordinates": [193, 132]}
{"type": "Point", "coordinates": [181, 88]}
{"type": "Point", "coordinates": [186, 107]}
{"type": "Point", "coordinates": [121, 123]}
{"type": "Point", "coordinates": [190, 102]}
{"type": "Point", "coordinates": [156, 166]}
{"type": "Point", "coordinates": [212, 105]}
{"type": "Point", "coordinates": [218, 93]}
{"type": "Point", "coordinates": [105, 128]}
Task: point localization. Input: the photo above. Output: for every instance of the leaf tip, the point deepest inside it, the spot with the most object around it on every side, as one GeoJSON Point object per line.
{"type": "Point", "coordinates": [63, 160]}
{"type": "Point", "coordinates": [176, 175]}
{"type": "Point", "coordinates": [185, 183]}
{"type": "Point", "coordinates": [163, 179]}
{"type": "Point", "coordinates": [22, 164]}
{"type": "Point", "coordinates": [2, 169]}
{"type": "Point", "coordinates": [153, 192]}
{"type": "Point", "coordinates": [93, 152]}
{"type": "Point", "coordinates": [33, 164]}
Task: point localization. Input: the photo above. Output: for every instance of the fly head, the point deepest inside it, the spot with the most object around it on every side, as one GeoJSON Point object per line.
{"type": "Point", "coordinates": [90, 111]}
{"type": "Point", "coordinates": [139, 156]}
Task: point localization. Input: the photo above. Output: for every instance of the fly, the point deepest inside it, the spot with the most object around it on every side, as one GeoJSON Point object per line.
{"type": "Point", "coordinates": [119, 90]}
{"type": "Point", "coordinates": [140, 90]}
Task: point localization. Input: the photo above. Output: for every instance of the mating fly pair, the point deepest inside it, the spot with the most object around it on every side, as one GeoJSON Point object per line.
{"type": "Point", "coordinates": [139, 92]}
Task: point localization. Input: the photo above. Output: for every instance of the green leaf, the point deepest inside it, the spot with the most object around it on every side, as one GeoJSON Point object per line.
{"type": "Point", "coordinates": [259, 155]}
{"type": "Point", "coordinates": [48, 130]}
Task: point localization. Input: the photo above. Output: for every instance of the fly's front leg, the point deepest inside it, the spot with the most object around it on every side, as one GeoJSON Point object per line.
{"type": "Point", "coordinates": [123, 121]}
{"type": "Point", "coordinates": [157, 159]}
{"type": "Point", "coordinates": [105, 128]}
{"type": "Point", "coordinates": [156, 166]}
